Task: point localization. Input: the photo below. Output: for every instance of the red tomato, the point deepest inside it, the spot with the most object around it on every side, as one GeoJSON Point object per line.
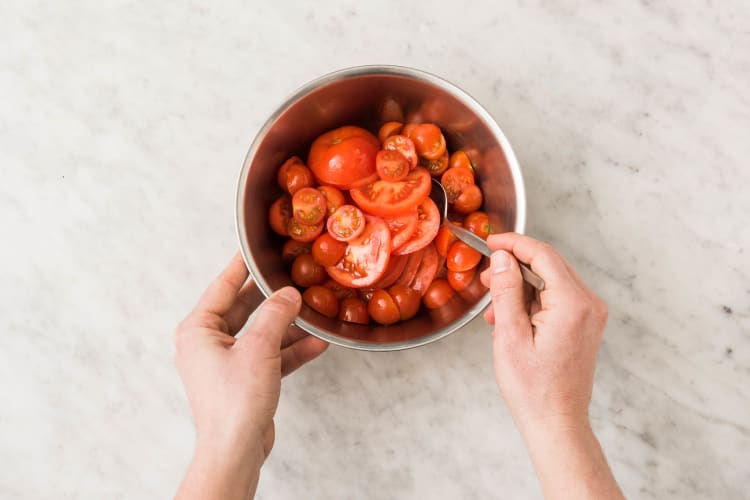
{"type": "Point", "coordinates": [391, 165]}
{"type": "Point", "coordinates": [388, 129]}
{"type": "Point", "coordinates": [354, 310]}
{"type": "Point", "coordinates": [437, 294]}
{"type": "Point", "coordinates": [334, 198]}
{"type": "Point", "coordinates": [340, 291]}
{"type": "Point", "coordinates": [346, 223]}
{"type": "Point", "coordinates": [402, 227]}
{"type": "Point", "coordinates": [461, 159]}
{"type": "Point", "coordinates": [444, 240]}
{"type": "Point", "coordinates": [461, 257]}
{"type": "Point", "coordinates": [408, 128]}
{"type": "Point", "coordinates": [344, 158]}
{"type": "Point", "coordinates": [293, 248]}
{"type": "Point", "coordinates": [429, 140]}
{"type": "Point", "coordinates": [407, 300]}
{"type": "Point", "coordinates": [321, 299]}
{"type": "Point", "coordinates": [388, 199]}
{"type": "Point", "coordinates": [411, 267]}
{"type": "Point", "coordinates": [308, 205]}
{"type": "Point", "coordinates": [280, 214]}
{"type": "Point", "coordinates": [304, 232]}
{"type": "Point", "coordinates": [305, 272]}
{"type": "Point", "coordinates": [284, 169]}
{"type": "Point", "coordinates": [365, 294]}
{"type": "Point", "coordinates": [460, 280]}
{"type": "Point", "coordinates": [427, 270]}
{"type": "Point", "coordinates": [327, 251]}
{"type": "Point", "coordinates": [298, 176]}
{"type": "Point", "coordinates": [469, 201]}
{"type": "Point", "coordinates": [455, 180]}
{"type": "Point", "coordinates": [478, 223]}
{"type": "Point", "coordinates": [382, 308]}
{"type": "Point", "coordinates": [366, 257]}
{"type": "Point", "coordinates": [403, 145]}
{"type": "Point", "coordinates": [435, 167]}
{"type": "Point", "coordinates": [393, 271]}
{"type": "Point", "coordinates": [427, 228]}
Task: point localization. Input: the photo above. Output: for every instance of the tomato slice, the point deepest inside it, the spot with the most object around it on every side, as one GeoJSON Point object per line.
{"type": "Point", "coordinates": [391, 165]}
{"type": "Point", "coordinates": [346, 223]}
{"type": "Point", "coordinates": [403, 145]}
{"type": "Point", "coordinates": [411, 268]}
{"type": "Point", "coordinates": [427, 228]}
{"type": "Point", "coordinates": [393, 272]}
{"type": "Point", "coordinates": [435, 167]}
{"type": "Point", "coordinates": [388, 199]}
{"type": "Point", "coordinates": [455, 180]}
{"type": "Point", "coordinates": [427, 270]}
{"type": "Point", "coordinates": [402, 227]}
{"type": "Point", "coordinates": [366, 257]}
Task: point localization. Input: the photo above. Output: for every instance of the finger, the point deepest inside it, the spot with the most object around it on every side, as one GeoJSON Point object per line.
{"type": "Point", "coordinates": [541, 257]}
{"type": "Point", "coordinates": [272, 321]}
{"type": "Point", "coordinates": [246, 302]}
{"type": "Point", "coordinates": [222, 292]}
{"type": "Point", "coordinates": [489, 316]}
{"type": "Point", "coordinates": [300, 352]}
{"type": "Point", "coordinates": [506, 288]}
{"type": "Point", "coordinates": [292, 335]}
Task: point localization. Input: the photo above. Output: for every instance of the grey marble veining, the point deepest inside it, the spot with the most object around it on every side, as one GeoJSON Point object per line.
{"type": "Point", "coordinates": [122, 130]}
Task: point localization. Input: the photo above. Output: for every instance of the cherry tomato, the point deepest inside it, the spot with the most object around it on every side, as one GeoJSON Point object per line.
{"type": "Point", "coordinates": [304, 232]}
{"type": "Point", "coordinates": [293, 248]}
{"type": "Point", "coordinates": [327, 251]}
{"type": "Point", "coordinates": [461, 159]}
{"type": "Point", "coordinates": [305, 272]}
{"type": "Point", "coordinates": [403, 145]}
{"type": "Point", "coordinates": [298, 176]}
{"type": "Point", "coordinates": [344, 157]}
{"type": "Point", "coordinates": [334, 198]}
{"type": "Point", "coordinates": [408, 128]}
{"type": "Point", "coordinates": [366, 257]}
{"type": "Point", "coordinates": [402, 227]}
{"type": "Point", "coordinates": [393, 271]}
{"type": "Point", "coordinates": [388, 129]}
{"type": "Point", "coordinates": [382, 308]}
{"type": "Point", "coordinates": [429, 140]}
{"type": "Point", "coordinates": [427, 270]}
{"type": "Point", "coordinates": [346, 223]}
{"type": "Point", "coordinates": [284, 169]}
{"type": "Point", "coordinates": [469, 201]}
{"type": "Point", "coordinates": [427, 228]}
{"type": "Point", "coordinates": [455, 181]}
{"type": "Point", "coordinates": [365, 294]}
{"type": "Point", "coordinates": [280, 214]}
{"type": "Point", "coordinates": [478, 223]}
{"type": "Point", "coordinates": [389, 199]}
{"type": "Point", "coordinates": [407, 300]}
{"type": "Point", "coordinates": [308, 205]}
{"type": "Point", "coordinates": [354, 310]}
{"type": "Point", "coordinates": [321, 299]}
{"type": "Point", "coordinates": [340, 291]}
{"type": "Point", "coordinates": [437, 294]}
{"type": "Point", "coordinates": [460, 280]}
{"type": "Point", "coordinates": [411, 267]}
{"type": "Point", "coordinates": [444, 240]}
{"type": "Point", "coordinates": [391, 165]}
{"type": "Point", "coordinates": [461, 257]}
{"type": "Point", "coordinates": [435, 167]}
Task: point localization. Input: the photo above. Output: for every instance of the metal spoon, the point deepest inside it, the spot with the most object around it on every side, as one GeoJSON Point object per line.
{"type": "Point", "coordinates": [441, 200]}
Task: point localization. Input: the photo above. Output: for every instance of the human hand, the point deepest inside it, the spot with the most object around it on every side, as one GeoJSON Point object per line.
{"type": "Point", "coordinates": [232, 383]}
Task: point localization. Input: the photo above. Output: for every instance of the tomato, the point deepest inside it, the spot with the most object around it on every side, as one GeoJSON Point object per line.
{"type": "Point", "coordinates": [346, 223]}
{"type": "Point", "coordinates": [393, 271]}
{"type": "Point", "coordinates": [334, 198]}
{"type": "Point", "coordinates": [280, 214]}
{"type": "Point", "coordinates": [455, 181]}
{"type": "Point", "coordinates": [305, 272]}
{"type": "Point", "coordinates": [321, 299]}
{"type": "Point", "coordinates": [298, 176]}
{"type": "Point", "coordinates": [293, 248]}
{"type": "Point", "coordinates": [366, 257]}
{"type": "Point", "coordinates": [304, 232]}
{"type": "Point", "coordinates": [388, 129]}
{"type": "Point", "coordinates": [402, 227]}
{"type": "Point", "coordinates": [461, 159]}
{"type": "Point", "coordinates": [444, 240]}
{"type": "Point", "coordinates": [340, 291]}
{"type": "Point", "coordinates": [327, 251]}
{"type": "Point", "coordinates": [478, 223]}
{"type": "Point", "coordinates": [429, 140]}
{"type": "Point", "coordinates": [308, 206]}
{"type": "Point", "coordinates": [403, 145]}
{"type": "Point", "coordinates": [469, 201]}
{"type": "Point", "coordinates": [408, 128]}
{"type": "Point", "coordinates": [461, 257]}
{"type": "Point", "coordinates": [388, 199]}
{"type": "Point", "coordinates": [427, 228]}
{"type": "Point", "coordinates": [365, 294]}
{"type": "Point", "coordinates": [354, 310]}
{"type": "Point", "coordinates": [435, 167]}
{"type": "Point", "coordinates": [460, 280]}
{"type": "Point", "coordinates": [382, 308]}
{"type": "Point", "coordinates": [281, 177]}
{"type": "Point", "coordinates": [344, 157]}
{"type": "Point", "coordinates": [437, 294]}
{"type": "Point", "coordinates": [411, 267]}
{"type": "Point", "coordinates": [407, 300]}
{"type": "Point", "coordinates": [391, 165]}
{"type": "Point", "coordinates": [427, 270]}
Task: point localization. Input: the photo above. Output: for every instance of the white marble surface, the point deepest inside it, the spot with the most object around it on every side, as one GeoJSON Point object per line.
{"type": "Point", "coordinates": [122, 129]}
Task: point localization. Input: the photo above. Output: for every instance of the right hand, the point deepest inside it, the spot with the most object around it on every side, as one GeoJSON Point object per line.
{"type": "Point", "coordinates": [545, 343]}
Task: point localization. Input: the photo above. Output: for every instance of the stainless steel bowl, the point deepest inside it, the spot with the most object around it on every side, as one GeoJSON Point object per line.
{"type": "Point", "coordinates": [368, 96]}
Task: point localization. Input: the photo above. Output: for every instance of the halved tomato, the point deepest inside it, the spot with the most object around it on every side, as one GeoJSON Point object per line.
{"type": "Point", "coordinates": [393, 271]}
{"type": "Point", "coordinates": [427, 270]}
{"type": "Point", "coordinates": [346, 223]}
{"type": "Point", "coordinates": [366, 257]}
{"type": "Point", "coordinates": [411, 268]}
{"type": "Point", "coordinates": [455, 180]}
{"type": "Point", "coordinates": [427, 227]}
{"type": "Point", "coordinates": [334, 198]}
{"type": "Point", "coordinates": [403, 145]}
{"type": "Point", "coordinates": [388, 199]}
{"type": "Point", "coordinates": [402, 227]}
{"type": "Point", "coordinates": [344, 157]}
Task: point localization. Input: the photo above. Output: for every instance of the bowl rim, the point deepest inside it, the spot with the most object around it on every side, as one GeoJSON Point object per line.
{"type": "Point", "coordinates": [366, 70]}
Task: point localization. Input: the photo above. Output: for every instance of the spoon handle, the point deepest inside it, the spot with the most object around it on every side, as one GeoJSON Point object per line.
{"type": "Point", "coordinates": [480, 246]}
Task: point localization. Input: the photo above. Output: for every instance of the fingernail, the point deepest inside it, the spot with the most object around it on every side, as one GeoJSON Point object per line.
{"type": "Point", "coordinates": [500, 262]}
{"type": "Point", "coordinates": [289, 294]}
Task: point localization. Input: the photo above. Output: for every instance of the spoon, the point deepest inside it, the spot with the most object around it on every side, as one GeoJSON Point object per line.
{"type": "Point", "coordinates": [441, 200]}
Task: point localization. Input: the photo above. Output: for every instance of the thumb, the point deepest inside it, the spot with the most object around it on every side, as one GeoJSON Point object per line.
{"type": "Point", "coordinates": [272, 320]}
{"type": "Point", "coordinates": [506, 287]}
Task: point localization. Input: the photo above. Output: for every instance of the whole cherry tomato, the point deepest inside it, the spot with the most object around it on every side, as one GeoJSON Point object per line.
{"type": "Point", "coordinates": [298, 176]}
{"type": "Point", "coordinates": [478, 223]}
{"type": "Point", "coordinates": [460, 280]}
{"type": "Point", "coordinates": [461, 257]}
{"type": "Point", "coordinates": [306, 272]}
{"type": "Point", "coordinates": [293, 248]}
{"type": "Point", "coordinates": [327, 251]}
{"type": "Point", "coordinates": [461, 159]}
{"type": "Point", "coordinates": [321, 299]}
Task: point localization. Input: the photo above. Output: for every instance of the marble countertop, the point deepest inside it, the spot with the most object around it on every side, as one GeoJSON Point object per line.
{"type": "Point", "coordinates": [121, 136]}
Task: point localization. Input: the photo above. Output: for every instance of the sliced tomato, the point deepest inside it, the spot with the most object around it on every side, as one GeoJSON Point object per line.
{"type": "Point", "coordinates": [388, 129]}
{"type": "Point", "coordinates": [391, 165]}
{"type": "Point", "coordinates": [427, 270]}
{"type": "Point", "coordinates": [304, 233]}
{"type": "Point", "coordinates": [411, 268]}
{"type": "Point", "coordinates": [403, 145]}
{"type": "Point", "coordinates": [346, 223]}
{"type": "Point", "coordinates": [455, 180]}
{"type": "Point", "coordinates": [334, 198]}
{"type": "Point", "coordinates": [388, 199]}
{"type": "Point", "coordinates": [427, 228]}
{"type": "Point", "coordinates": [366, 257]}
{"type": "Point", "coordinates": [393, 272]}
{"type": "Point", "coordinates": [402, 227]}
